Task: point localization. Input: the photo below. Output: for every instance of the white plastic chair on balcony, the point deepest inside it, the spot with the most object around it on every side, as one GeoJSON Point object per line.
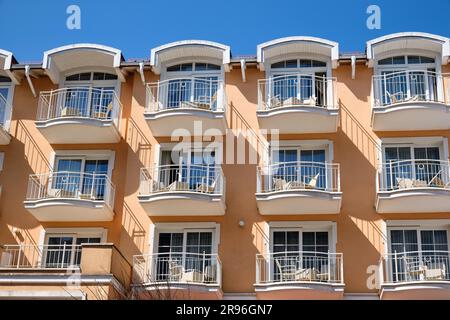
{"type": "Point", "coordinates": [394, 98]}
{"type": "Point", "coordinates": [205, 187]}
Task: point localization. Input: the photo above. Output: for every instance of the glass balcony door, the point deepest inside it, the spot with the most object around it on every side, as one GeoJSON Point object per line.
{"type": "Point", "coordinates": [65, 250]}
{"type": "Point", "coordinates": [405, 85]}
{"type": "Point", "coordinates": [298, 252]}
{"type": "Point", "coordinates": [412, 163]}
{"type": "Point", "coordinates": [80, 177]}
{"type": "Point", "coordinates": [198, 92]}
{"type": "Point", "coordinates": [301, 165]}
{"type": "Point", "coordinates": [189, 169]}
{"type": "Point", "coordinates": [417, 253]}
{"type": "Point", "coordinates": [4, 92]}
{"type": "Point", "coordinates": [182, 253]}
{"type": "Point", "coordinates": [292, 88]}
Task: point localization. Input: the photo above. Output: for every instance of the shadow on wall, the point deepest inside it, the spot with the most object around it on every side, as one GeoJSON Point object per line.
{"type": "Point", "coordinates": [358, 135]}
{"type": "Point", "coordinates": [33, 154]}
{"type": "Point", "coordinates": [261, 239]}
{"type": "Point", "coordinates": [371, 231]}
{"type": "Point", "coordinates": [133, 235]}
{"type": "Point", "coordinates": [256, 144]}
{"type": "Point", "coordinates": [140, 145]}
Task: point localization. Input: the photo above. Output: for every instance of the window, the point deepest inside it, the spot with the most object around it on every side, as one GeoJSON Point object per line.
{"type": "Point", "coordinates": [188, 171]}
{"type": "Point", "coordinates": [89, 94]}
{"type": "Point", "coordinates": [5, 89]}
{"type": "Point", "coordinates": [80, 177]}
{"type": "Point", "coordinates": [406, 78]}
{"type": "Point", "coordinates": [301, 167]}
{"type": "Point", "coordinates": [299, 250]}
{"type": "Point", "coordinates": [194, 86]}
{"type": "Point", "coordinates": [405, 60]}
{"type": "Point", "coordinates": [419, 254]}
{"type": "Point", "coordinates": [301, 63]}
{"type": "Point", "coordinates": [197, 66]}
{"type": "Point", "coordinates": [88, 76]}
{"type": "Point", "coordinates": [407, 167]}
{"type": "Point", "coordinates": [64, 250]}
{"type": "Point", "coordinates": [184, 254]}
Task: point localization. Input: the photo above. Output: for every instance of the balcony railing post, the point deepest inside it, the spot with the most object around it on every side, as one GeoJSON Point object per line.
{"type": "Point", "coordinates": [329, 266]}
{"type": "Point", "coordinates": [203, 268]}
{"type": "Point", "coordinates": [19, 256]}
{"type": "Point", "coordinates": [395, 266]}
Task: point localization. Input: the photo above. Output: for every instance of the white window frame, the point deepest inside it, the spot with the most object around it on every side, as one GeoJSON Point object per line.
{"type": "Point", "coordinates": [168, 227]}
{"type": "Point", "coordinates": [101, 233]}
{"type": "Point", "coordinates": [116, 84]}
{"type": "Point", "coordinates": [170, 75]}
{"type": "Point", "coordinates": [379, 69]}
{"type": "Point", "coordinates": [300, 226]}
{"type": "Point", "coordinates": [418, 230]}
{"type": "Point", "coordinates": [9, 105]}
{"type": "Point", "coordinates": [84, 155]}
{"type": "Point", "coordinates": [272, 72]}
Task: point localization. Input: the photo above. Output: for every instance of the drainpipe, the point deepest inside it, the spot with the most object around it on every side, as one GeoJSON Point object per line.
{"type": "Point", "coordinates": [30, 83]}
{"type": "Point", "coordinates": [353, 58]}
{"type": "Point", "coordinates": [243, 67]}
{"type": "Point", "coordinates": [141, 72]}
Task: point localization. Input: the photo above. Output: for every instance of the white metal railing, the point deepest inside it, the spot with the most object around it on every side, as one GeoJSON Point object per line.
{"type": "Point", "coordinates": [410, 85]}
{"type": "Point", "coordinates": [186, 93]}
{"type": "Point", "coordinates": [417, 173]}
{"type": "Point", "coordinates": [416, 266]}
{"type": "Point", "coordinates": [30, 256]}
{"type": "Point", "coordinates": [177, 267]}
{"type": "Point", "coordinates": [297, 90]}
{"type": "Point", "coordinates": [299, 266]}
{"type": "Point", "coordinates": [4, 109]}
{"type": "Point", "coordinates": [80, 102]}
{"type": "Point", "coordinates": [298, 175]}
{"type": "Point", "coordinates": [194, 178]}
{"type": "Point", "coordinates": [71, 185]}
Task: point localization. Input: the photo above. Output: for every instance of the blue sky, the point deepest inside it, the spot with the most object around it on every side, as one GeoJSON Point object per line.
{"type": "Point", "coordinates": [27, 27]}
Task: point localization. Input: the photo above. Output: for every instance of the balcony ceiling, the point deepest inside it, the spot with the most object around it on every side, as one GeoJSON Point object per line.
{"type": "Point", "coordinates": [300, 45]}
{"type": "Point", "coordinates": [6, 60]}
{"type": "Point", "coordinates": [189, 49]}
{"type": "Point", "coordinates": [408, 41]}
{"type": "Point", "coordinates": [81, 55]}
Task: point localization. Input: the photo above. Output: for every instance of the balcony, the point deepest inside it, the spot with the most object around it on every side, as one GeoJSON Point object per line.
{"type": "Point", "coordinates": [416, 275]}
{"type": "Point", "coordinates": [70, 196]}
{"type": "Point", "coordinates": [181, 275]}
{"type": "Point", "coordinates": [79, 115]}
{"type": "Point", "coordinates": [183, 190]}
{"type": "Point", "coordinates": [298, 103]}
{"type": "Point", "coordinates": [298, 187]}
{"type": "Point", "coordinates": [60, 271]}
{"type": "Point", "coordinates": [411, 100]}
{"type": "Point", "coordinates": [413, 186]}
{"type": "Point", "coordinates": [5, 137]}
{"type": "Point", "coordinates": [299, 275]}
{"type": "Point", "coordinates": [180, 103]}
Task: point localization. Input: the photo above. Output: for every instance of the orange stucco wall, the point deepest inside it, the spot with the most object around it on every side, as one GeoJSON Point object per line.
{"type": "Point", "coordinates": [359, 235]}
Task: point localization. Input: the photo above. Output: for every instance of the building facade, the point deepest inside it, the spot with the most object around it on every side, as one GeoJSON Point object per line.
{"type": "Point", "coordinates": [298, 173]}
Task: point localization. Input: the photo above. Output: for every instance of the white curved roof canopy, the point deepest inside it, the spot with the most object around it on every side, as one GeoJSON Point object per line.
{"type": "Point", "coordinates": [161, 55]}
{"type": "Point", "coordinates": [408, 41]}
{"type": "Point", "coordinates": [80, 55]}
{"type": "Point", "coordinates": [6, 61]}
{"type": "Point", "coordinates": [298, 44]}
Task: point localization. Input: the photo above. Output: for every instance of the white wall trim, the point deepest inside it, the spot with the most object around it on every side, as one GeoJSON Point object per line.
{"type": "Point", "coordinates": [43, 294]}
{"type": "Point", "coordinates": [418, 223]}
{"type": "Point", "coordinates": [156, 228]}
{"type": "Point", "coordinates": [103, 232]}
{"type": "Point", "coordinates": [101, 154]}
